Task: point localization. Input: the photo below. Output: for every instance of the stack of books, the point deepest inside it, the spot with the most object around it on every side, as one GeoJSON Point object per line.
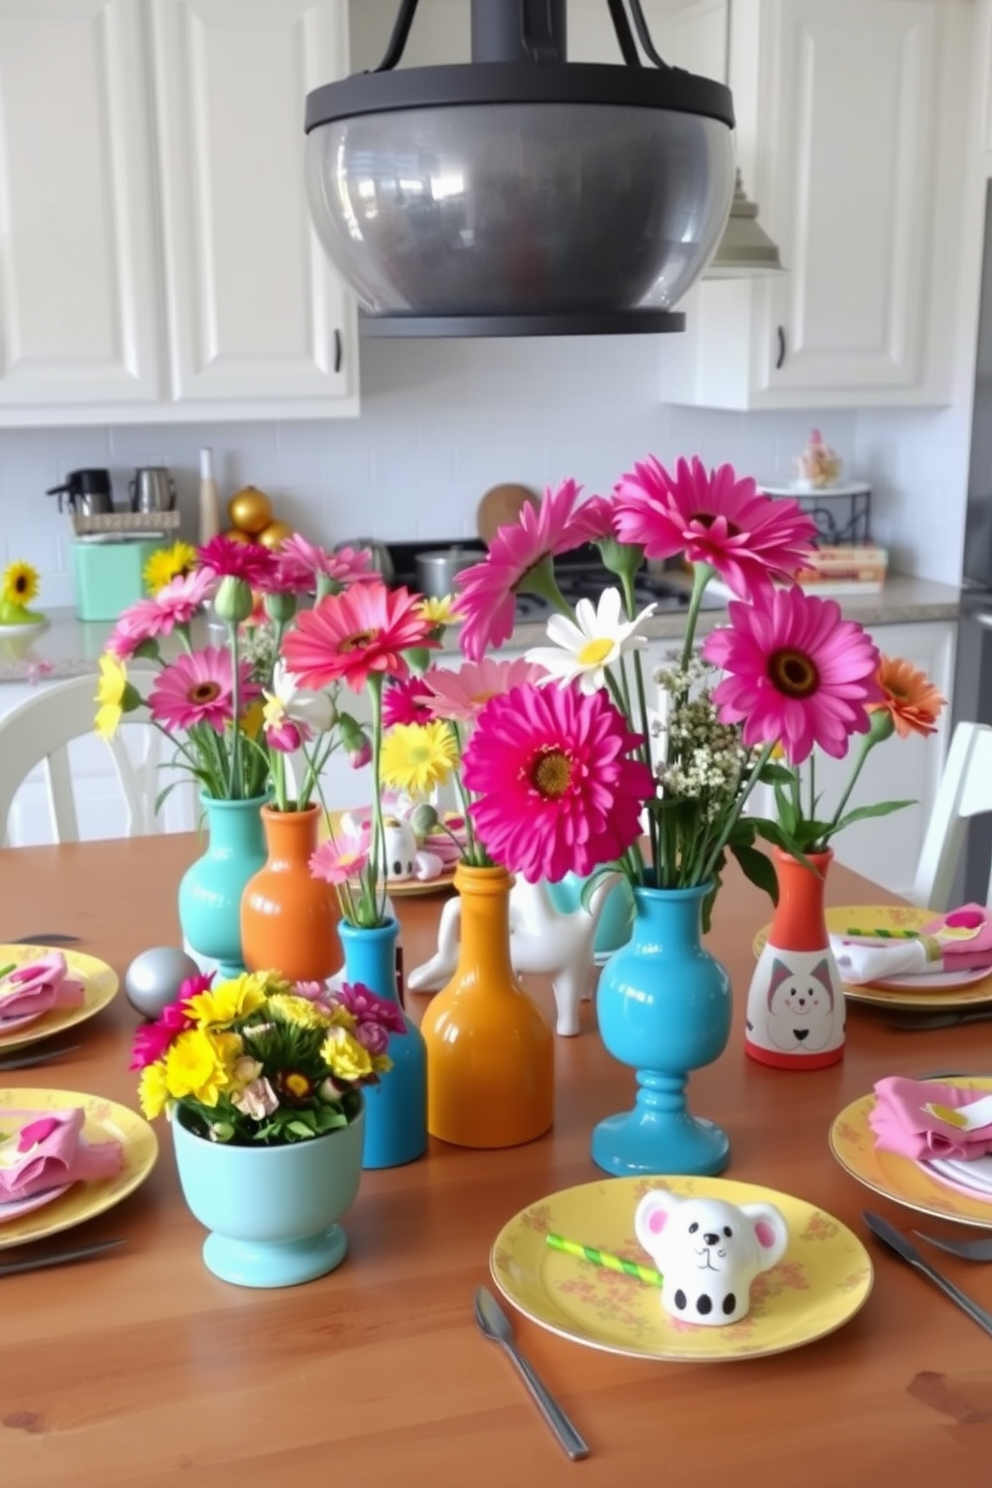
{"type": "Point", "coordinates": [856, 568]}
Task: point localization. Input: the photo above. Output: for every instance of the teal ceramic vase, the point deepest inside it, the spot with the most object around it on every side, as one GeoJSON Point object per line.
{"type": "Point", "coordinates": [272, 1212]}
{"type": "Point", "coordinates": [210, 890]}
{"type": "Point", "coordinates": [396, 1108]}
{"type": "Point", "coordinates": [664, 1007]}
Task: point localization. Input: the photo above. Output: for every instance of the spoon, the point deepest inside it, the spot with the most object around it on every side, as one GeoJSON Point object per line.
{"type": "Point", "coordinates": [496, 1326]}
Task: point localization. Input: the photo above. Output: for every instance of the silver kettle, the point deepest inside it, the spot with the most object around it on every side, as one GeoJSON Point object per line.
{"type": "Point", "coordinates": [381, 561]}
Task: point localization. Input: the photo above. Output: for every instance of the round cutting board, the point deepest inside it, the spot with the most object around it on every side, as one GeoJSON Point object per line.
{"type": "Point", "coordinates": [500, 505]}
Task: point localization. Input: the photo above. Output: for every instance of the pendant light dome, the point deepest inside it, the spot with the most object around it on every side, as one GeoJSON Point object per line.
{"type": "Point", "coordinates": [520, 194]}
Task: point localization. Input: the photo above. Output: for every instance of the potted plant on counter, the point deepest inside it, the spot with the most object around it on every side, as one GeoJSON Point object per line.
{"type": "Point", "coordinates": [263, 1082]}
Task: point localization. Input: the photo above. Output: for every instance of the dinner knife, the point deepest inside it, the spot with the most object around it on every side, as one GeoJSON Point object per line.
{"type": "Point", "coordinates": [46, 938]}
{"type": "Point", "coordinates": [496, 1325]}
{"type": "Point", "coordinates": [897, 1241]}
{"type": "Point", "coordinates": [25, 1061]}
{"type": "Point", "coordinates": [58, 1257]}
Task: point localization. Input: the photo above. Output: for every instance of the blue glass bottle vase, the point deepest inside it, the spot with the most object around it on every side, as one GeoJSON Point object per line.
{"type": "Point", "coordinates": [664, 1007]}
{"type": "Point", "coordinates": [396, 1108]}
{"type": "Point", "coordinates": [210, 890]}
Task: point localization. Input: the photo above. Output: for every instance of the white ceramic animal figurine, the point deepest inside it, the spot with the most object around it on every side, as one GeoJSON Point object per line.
{"type": "Point", "coordinates": [709, 1252]}
{"type": "Point", "coordinates": [544, 941]}
{"type": "Point", "coordinates": [405, 859]}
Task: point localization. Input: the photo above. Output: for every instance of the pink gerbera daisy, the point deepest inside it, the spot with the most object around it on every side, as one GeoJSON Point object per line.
{"type": "Point", "coordinates": [183, 596]}
{"type": "Point", "coordinates": [557, 788]}
{"type": "Point", "coordinates": [797, 673]}
{"type": "Point", "coordinates": [226, 559]}
{"type": "Point", "coordinates": [348, 637]}
{"type": "Point", "coordinates": [463, 692]}
{"type": "Point", "coordinates": [299, 563]}
{"type": "Point", "coordinates": [342, 858]}
{"type": "Point", "coordinates": [153, 1039]}
{"type": "Point", "coordinates": [198, 688]}
{"type": "Point", "coordinates": [487, 590]}
{"type": "Point", "coordinates": [594, 520]}
{"type": "Point", "coordinates": [141, 622]}
{"type": "Point", "coordinates": [716, 518]}
{"type": "Point", "coordinates": [405, 702]}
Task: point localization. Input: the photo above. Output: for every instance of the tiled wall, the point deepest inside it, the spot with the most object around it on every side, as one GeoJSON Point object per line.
{"type": "Point", "coordinates": [441, 422]}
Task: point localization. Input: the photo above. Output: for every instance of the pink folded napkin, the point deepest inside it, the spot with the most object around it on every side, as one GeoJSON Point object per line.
{"type": "Point", "coordinates": [40, 1150]}
{"type": "Point", "coordinates": [906, 1119]}
{"type": "Point", "coordinates": [39, 986]}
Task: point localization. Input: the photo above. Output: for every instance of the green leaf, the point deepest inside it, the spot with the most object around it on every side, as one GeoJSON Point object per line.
{"type": "Point", "coordinates": [863, 813]}
{"type": "Point", "coordinates": [786, 810]}
{"type": "Point", "coordinates": [758, 867]}
{"type": "Point", "coordinates": [773, 774]}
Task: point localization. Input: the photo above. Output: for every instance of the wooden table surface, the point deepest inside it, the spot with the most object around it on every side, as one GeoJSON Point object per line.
{"type": "Point", "coordinates": [140, 1367]}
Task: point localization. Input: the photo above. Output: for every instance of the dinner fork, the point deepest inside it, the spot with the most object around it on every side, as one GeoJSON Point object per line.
{"type": "Point", "coordinates": [25, 1061]}
{"type": "Point", "coordinates": [979, 1249]}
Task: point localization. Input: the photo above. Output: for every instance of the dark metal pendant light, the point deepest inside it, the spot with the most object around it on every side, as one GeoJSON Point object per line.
{"type": "Point", "coordinates": [521, 194]}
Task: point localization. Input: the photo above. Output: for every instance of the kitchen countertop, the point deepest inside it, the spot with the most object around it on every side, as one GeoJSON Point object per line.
{"type": "Point", "coordinates": [70, 647]}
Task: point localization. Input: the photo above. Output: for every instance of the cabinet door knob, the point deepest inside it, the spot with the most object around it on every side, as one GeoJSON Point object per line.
{"type": "Point", "coordinates": [337, 351]}
{"type": "Point", "coordinates": [780, 359]}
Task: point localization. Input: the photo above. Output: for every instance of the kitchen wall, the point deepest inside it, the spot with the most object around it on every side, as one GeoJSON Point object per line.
{"type": "Point", "coordinates": [441, 422]}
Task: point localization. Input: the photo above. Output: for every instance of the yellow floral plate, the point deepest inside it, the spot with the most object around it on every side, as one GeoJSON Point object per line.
{"type": "Point", "coordinates": [852, 1143]}
{"type": "Point", "coordinates": [822, 1281]}
{"type": "Point", "coordinates": [100, 982]}
{"type": "Point", "coordinates": [931, 994]}
{"type": "Point", "coordinates": [105, 1120]}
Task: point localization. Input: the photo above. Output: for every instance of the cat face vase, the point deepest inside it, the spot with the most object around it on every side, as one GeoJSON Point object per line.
{"type": "Point", "coordinates": [708, 1252]}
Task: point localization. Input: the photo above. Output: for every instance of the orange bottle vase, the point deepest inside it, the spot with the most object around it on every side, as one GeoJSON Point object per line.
{"type": "Point", "coordinates": [288, 919]}
{"type": "Point", "coordinates": [795, 1005]}
{"type": "Point", "coordinates": [490, 1050]}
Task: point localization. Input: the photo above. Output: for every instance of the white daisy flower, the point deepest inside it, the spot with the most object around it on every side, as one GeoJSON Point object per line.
{"type": "Point", "coordinates": [289, 700]}
{"type": "Point", "coordinates": [585, 649]}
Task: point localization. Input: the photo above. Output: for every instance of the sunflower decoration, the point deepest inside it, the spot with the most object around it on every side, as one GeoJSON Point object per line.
{"type": "Point", "coordinates": [20, 586]}
{"type": "Point", "coordinates": [166, 564]}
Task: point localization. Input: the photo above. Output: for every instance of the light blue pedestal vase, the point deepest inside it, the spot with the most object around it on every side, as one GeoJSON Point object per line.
{"type": "Point", "coordinates": [210, 890]}
{"type": "Point", "coordinates": [664, 1007]}
{"type": "Point", "coordinates": [272, 1212]}
{"type": "Point", "coordinates": [395, 1109]}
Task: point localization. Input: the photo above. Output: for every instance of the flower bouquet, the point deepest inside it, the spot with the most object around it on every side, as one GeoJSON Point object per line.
{"type": "Point", "coordinates": [266, 1084]}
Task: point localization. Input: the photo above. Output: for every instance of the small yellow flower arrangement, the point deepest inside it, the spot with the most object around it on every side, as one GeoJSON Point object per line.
{"type": "Point", "coordinates": [19, 586]}
{"type": "Point", "coordinates": [166, 564]}
{"type": "Point", "coordinates": [257, 1060]}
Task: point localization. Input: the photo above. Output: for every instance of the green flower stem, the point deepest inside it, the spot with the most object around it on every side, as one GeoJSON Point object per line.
{"type": "Point", "coordinates": [471, 842]}
{"type": "Point", "coordinates": [279, 779]}
{"type": "Point", "coordinates": [701, 575]}
{"type": "Point", "coordinates": [378, 852]}
{"type": "Point", "coordinates": [234, 782]}
{"type": "Point", "coordinates": [812, 787]}
{"type": "Point", "coordinates": [881, 728]}
{"type": "Point", "coordinates": [540, 580]}
{"type": "Point", "coordinates": [734, 814]}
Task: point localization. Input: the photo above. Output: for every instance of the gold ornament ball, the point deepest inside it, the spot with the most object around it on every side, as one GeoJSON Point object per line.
{"type": "Point", "coordinates": [250, 509]}
{"type": "Point", "coordinates": [274, 535]}
{"type": "Point", "coordinates": [235, 534]}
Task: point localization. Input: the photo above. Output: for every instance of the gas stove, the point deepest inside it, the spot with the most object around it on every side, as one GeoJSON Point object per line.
{"type": "Point", "coordinates": [581, 574]}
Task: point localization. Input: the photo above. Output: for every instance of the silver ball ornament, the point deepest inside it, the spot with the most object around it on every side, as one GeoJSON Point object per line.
{"type": "Point", "coordinates": [154, 977]}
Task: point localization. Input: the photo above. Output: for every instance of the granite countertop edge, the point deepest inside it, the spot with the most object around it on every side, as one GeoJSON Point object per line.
{"type": "Point", "coordinates": [69, 647]}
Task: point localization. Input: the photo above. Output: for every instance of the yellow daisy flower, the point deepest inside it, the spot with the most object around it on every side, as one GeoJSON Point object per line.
{"type": "Point", "coordinates": [345, 1057]}
{"type": "Point", "coordinates": [194, 1065]}
{"type": "Point", "coordinates": [166, 564]}
{"type": "Point", "coordinates": [418, 756]}
{"type": "Point", "coordinates": [297, 1010]}
{"type": "Point", "coordinates": [153, 1090]}
{"type": "Point", "coordinates": [111, 690]}
{"type": "Point", "coordinates": [440, 611]}
{"type": "Point", "coordinates": [20, 583]}
{"type": "Point", "coordinates": [220, 1005]}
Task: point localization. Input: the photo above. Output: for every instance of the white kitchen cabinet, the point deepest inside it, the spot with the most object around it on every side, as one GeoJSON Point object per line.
{"type": "Point", "coordinates": [157, 261]}
{"type": "Point", "coordinates": [79, 321]}
{"type": "Point", "coordinates": [886, 849]}
{"type": "Point", "coordinates": [255, 310]}
{"type": "Point", "coordinates": [851, 123]}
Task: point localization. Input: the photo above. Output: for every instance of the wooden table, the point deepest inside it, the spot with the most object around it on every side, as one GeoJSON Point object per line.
{"type": "Point", "coordinates": [141, 1368]}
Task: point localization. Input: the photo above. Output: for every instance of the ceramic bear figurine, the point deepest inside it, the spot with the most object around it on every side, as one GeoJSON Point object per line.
{"type": "Point", "coordinates": [708, 1252]}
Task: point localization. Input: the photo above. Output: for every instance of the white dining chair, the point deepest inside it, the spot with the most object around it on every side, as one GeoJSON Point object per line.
{"type": "Point", "coordinates": [39, 730]}
{"type": "Point", "coordinates": [965, 791]}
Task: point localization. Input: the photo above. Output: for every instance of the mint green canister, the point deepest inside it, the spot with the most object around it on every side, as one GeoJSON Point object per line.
{"type": "Point", "coordinates": [109, 574]}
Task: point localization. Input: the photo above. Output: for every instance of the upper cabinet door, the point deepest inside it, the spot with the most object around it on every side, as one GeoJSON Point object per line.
{"type": "Point", "coordinates": [850, 187]}
{"type": "Point", "coordinates": [255, 309]}
{"type": "Point", "coordinates": [78, 309]}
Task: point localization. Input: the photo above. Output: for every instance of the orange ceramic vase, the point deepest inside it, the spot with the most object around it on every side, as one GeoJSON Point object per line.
{"type": "Point", "coordinates": [795, 1005]}
{"type": "Point", "coordinates": [490, 1051]}
{"type": "Point", "coordinates": [288, 919]}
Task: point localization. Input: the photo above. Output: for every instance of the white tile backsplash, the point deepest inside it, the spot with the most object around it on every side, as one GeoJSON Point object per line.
{"type": "Point", "coordinates": [442, 421]}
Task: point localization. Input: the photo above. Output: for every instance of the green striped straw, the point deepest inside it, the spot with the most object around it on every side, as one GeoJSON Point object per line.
{"type": "Point", "coordinates": [604, 1258]}
{"type": "Point", "coordinates": [6, 970]}
{"type": "Point", "coordinates": [878, 933]}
